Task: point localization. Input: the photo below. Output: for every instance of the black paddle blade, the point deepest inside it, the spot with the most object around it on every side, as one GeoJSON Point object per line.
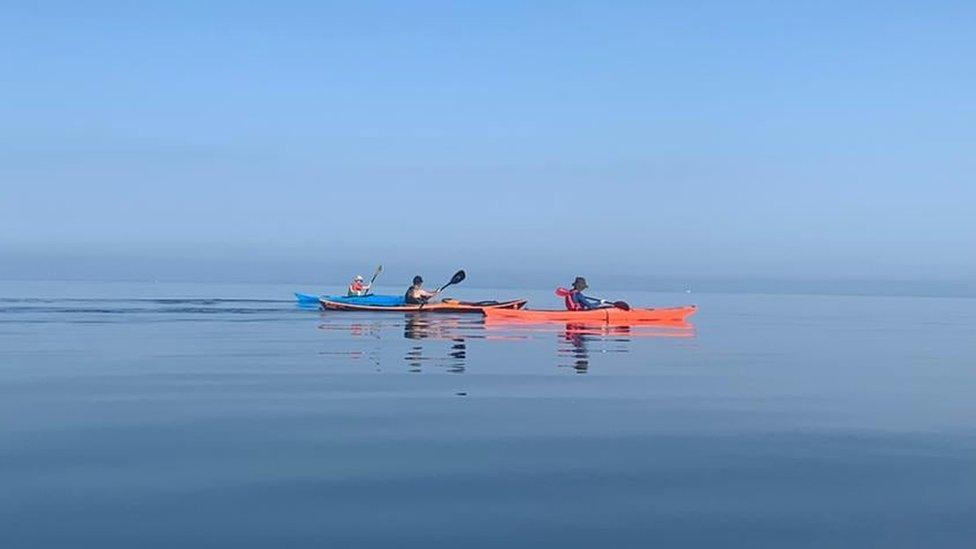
{"type": "Point", "coordinates": [458, 277]}
{"type": "Point", "coordinates": [621, 305]}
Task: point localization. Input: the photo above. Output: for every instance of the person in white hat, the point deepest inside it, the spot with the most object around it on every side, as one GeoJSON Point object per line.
{"type": "Point", "coordinates": [358, 287]}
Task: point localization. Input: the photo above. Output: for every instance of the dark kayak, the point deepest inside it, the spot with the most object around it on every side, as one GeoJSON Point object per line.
{"type": "Point", "coordinates": [446, 306]}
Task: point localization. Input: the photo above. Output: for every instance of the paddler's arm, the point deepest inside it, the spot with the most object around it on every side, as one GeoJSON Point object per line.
{"type": "Point", "coordinates": [588, 302]}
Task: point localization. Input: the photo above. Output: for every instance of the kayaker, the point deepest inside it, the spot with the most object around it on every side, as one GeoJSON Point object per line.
{"type": "Point", "coordinates": [416, 294]}
{"type": "Point", "coordinates": [575, 300]}
{"type": "Point", "coordinates": [358, 287]}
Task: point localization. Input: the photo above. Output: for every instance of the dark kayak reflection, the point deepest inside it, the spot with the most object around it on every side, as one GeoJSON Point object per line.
{"type": "Point", "coordinates": [440, 342]}
{"type": "Point", "coordinates": [424, 326]}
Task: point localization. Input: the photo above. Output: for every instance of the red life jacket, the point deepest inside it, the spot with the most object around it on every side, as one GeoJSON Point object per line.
{"type": "Point", "coordinates": [571, 304]}
{"type": "Point", "coordinates": [356, 287]}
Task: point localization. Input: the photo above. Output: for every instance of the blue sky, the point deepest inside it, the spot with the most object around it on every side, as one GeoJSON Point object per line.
{"type": "Point", "coordinates": [748, 139]}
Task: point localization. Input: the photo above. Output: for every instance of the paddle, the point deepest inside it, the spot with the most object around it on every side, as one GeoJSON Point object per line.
{"type": "Point", "coordinates": [372, 280]}
{"type": "Point", "coordinates": [617, 304]}
{"type": "Point", "coordinates": [376, 274]}
{"type": "Point", "coordinates": [456, 279]}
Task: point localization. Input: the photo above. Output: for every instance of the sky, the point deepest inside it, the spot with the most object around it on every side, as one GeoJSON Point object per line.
{"type": "Point", "coordinates": [664, 140]}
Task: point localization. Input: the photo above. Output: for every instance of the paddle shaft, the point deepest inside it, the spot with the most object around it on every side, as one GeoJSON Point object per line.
{"type": "Point", "coordinates": [617, 304]}
{"type": "Point", "coordinates": [376, 274]}
{"type": "Point", "coordinates": [456, 279]}
{"type": "Point", "coordinates": [441, 289]}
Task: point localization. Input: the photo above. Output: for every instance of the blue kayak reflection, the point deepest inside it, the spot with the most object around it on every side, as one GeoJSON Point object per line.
{"type": "Point", "coordinates": [443, 342]}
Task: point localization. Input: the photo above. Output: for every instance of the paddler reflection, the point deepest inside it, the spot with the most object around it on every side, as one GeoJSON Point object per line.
{"type": "Point", "coordinates": [579, 335]}
{"type": "Point", "coordinates": [577, 351]}
{"type": "Point", "coordinates": [421, 327]}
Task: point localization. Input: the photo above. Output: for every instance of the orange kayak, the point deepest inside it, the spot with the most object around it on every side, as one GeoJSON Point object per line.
{"type": "Point", "coordinates": [601, 316]}
{"type": "Point", "coordinates": [446, 306]}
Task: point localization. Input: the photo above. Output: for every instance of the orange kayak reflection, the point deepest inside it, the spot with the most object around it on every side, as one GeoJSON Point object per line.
{"type": "Point", "coordinates": [657, 329]}
{"type": "Point", "coordinates": [568, 330]}
{"type": "Point", "coordinates": [575, 339]}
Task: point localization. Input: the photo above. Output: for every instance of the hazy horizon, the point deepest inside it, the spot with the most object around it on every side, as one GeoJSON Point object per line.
{"type": "Point", "coordinates": [317, 274]}
{"type": "Point", "coordinates": [535, 142]}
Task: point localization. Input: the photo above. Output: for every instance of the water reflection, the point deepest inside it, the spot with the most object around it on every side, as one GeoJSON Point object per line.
{"type": "Point", "coordinates": [453, 361]}
{"type": "Point", "coordinates": [420, 327]}
{"type": "Point", "coordinates": [574, 340]}
{"type": "Point", "coordinates": [578, 336]}
{"type": "Point", "coordinates": [442, 341]}
{"type": "Point", "coordinates": [578, 350]}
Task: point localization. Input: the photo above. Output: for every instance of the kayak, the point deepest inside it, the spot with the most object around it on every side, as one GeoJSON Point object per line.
{"type": "Point", "coordinates": [601, 316]}
{"type": "Point", "coordinates": [380, 300]}
{"type": "Point", "coordinates": [307, 298]}
{"type": "Point", "coordinates": [446, 306]}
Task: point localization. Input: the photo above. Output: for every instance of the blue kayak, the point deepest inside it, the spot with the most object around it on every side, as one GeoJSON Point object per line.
{"type": "Point", "coordinates": [376, 300]}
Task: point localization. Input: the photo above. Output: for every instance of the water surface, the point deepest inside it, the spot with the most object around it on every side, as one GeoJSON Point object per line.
{"type": "Point", "coordinates": [165, 415]}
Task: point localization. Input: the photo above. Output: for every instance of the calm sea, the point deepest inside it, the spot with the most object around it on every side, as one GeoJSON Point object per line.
{"type": "Point", "coordinates": [167, 415]}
